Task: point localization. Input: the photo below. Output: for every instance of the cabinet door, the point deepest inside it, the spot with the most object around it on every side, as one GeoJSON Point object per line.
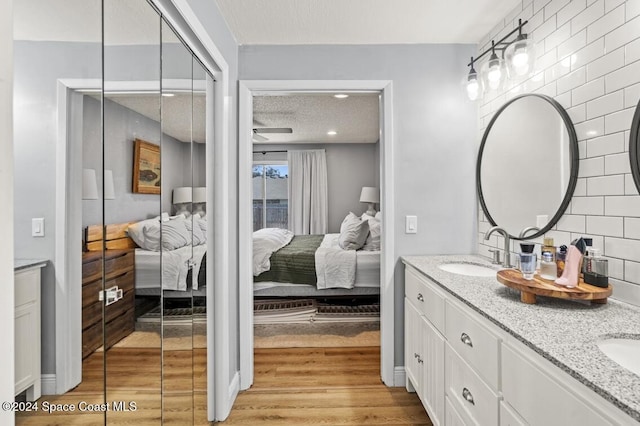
{"type": "Point", "coordinates": [452, 417]}
{"type": "Point", "coordinates": [413, 346]}
{"type": "Point", "coordinates": [432, 371]}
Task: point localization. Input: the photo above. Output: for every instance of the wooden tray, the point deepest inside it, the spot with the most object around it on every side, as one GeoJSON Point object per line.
{"type": "Point", "coordinates": [541, 287]}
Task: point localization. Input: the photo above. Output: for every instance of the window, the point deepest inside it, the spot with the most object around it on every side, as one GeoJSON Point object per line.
{"type": "Point", "coordinates": [270, 195]}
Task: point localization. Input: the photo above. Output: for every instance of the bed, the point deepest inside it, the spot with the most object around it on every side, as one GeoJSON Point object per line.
{"type": "Point", "coordinates": [167, 253]}
{"type": "Point", "coordinates": [316, 265]}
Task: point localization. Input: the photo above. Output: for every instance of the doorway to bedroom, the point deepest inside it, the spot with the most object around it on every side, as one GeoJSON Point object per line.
{"type": "Point", "coordinates": [316, 227]}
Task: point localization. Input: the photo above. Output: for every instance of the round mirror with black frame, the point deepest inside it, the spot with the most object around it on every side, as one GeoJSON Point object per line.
{"type": "Point", "coordinates": [527, 165]}
{"type": "Point", "coordinates": [634, 147]}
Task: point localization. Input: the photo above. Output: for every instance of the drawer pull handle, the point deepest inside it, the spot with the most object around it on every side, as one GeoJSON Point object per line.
{"type": "Point", "coordinates": [466, 394]}
{"type": "Point", "coordinates": [420, 297]}
{"type": "Point", "coordinates": [415, 355]}
{"type": "Point", "coordinates": [464, 338]}
{"type": "Point", "coordinates": [420, 360]}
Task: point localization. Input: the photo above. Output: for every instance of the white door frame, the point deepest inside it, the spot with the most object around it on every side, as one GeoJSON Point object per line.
{"type": "Point", "coordinates": [249, 88]}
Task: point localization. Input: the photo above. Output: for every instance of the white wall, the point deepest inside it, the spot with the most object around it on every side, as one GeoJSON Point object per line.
{"type": "Point", "coordinates": [589, 56]}
{"type": "Point", "coordinates": [434, 135]}
{"type": "Point", "coordinates": [7, 385]}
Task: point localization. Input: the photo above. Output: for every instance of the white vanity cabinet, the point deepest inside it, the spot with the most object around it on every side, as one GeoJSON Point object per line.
{"type": "Point", "coordinates": [424, 343]}
{"type": "Point", "coordinates": [27, 330]}
{"type": "Point", "coordinates": [490, 377]}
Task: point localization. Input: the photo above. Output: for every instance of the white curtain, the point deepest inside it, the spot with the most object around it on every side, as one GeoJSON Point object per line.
{"type": "Point", "coordinates": [308, 210]}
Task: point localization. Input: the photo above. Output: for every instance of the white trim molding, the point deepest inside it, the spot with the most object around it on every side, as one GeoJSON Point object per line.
{"type": "Point", "coordinates": [399, 377]}
{"type": "Point", "coordinates": [249, 88]}
{"type": "Point", "coordinates": [48, 382]}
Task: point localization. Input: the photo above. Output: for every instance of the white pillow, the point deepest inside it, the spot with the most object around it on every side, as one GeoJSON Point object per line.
{"type": "Point", "coordinates": [379, 215]}
{"type": "Point", "coordinates": [175, 234]}
{"type": "Point", "coordinates": [193, 226]}
{"type": "Point", "coordinates": [353, 232]}
{"type": "Point", "coordinates": [265, 242]}
{"type": "Point", "coordinates": [137, 234]}
{"type": "Point", "coordinates": [373, 240]}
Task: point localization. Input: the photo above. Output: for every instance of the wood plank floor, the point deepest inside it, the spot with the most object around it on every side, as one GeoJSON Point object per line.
{"type": "Point", "coordinates": [301, 386]}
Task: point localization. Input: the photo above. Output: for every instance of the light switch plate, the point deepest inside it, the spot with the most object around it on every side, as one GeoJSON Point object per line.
{"type": "Point", "coordinates": [37, 227]}
{"type": "Point", "coordinates": [411, 225]}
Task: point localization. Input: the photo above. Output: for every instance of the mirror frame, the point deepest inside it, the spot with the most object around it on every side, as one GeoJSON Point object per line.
{"type": "Point", "coordinates": [634, 147]}
{"type": "Point", "coordinates": [574, 158]}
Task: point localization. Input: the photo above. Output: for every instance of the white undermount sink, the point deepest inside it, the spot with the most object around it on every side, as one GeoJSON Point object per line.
{"type": "Point", "coordinates": [470, 269]}
{"type": "Point", "coordinates": [625, 352]}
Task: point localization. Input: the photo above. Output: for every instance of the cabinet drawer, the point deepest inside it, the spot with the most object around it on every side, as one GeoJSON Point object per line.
{"type": "Point", "coordinates": [429, 301]}
{"type": "Point", "coordinates": [452, 417]}
{"type": "Point", "coordinates": [469, 394]}
{"type": "Point", "coordinates": [541, 400]}
{"type": "Point", "coordinates": [118, 265]}
{"type": "Point", "coordinates": [475, 344]}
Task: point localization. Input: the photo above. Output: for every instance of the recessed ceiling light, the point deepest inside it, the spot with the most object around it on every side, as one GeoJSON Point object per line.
{"type": "Point", "coordinates": [168, 95]}
{"type": "Point", "coordinates": [332, 133]}
{"type": "Point", "coordinates": [341, 95]}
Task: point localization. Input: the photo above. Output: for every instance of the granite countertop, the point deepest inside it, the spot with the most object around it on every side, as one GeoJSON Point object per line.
{"type": "Point", "coordinates": [19, 264]}
{"type": "Point", "coordinates": [564, 332]}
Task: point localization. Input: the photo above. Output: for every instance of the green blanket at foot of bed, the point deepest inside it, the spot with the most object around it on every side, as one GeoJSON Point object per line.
{"type": "Point", "coordinates": [295, 262]}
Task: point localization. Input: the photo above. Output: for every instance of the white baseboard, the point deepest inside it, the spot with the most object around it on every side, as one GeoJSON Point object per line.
{"type": "Point", "coordinates": [48, 382]}
{"type": "Point", "coordinates": [399, 376]}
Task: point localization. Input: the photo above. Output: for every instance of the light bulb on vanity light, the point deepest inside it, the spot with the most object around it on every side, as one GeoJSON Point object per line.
{"type": "Point", "coordinates": [494, 71]}
{"type": "Point", "coordinates": [471, 83]}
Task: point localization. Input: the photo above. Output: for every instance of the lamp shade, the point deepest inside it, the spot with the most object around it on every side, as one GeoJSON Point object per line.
{"type": "Point", "coordinates": [200, 194]}
{"type": "Point", "coordinates": [89, 185]}
{"type": "Point", "coordinates": [109, 192]}
{"type": "Point", "coordinates": [369, 194]}
{"type": "Point", "coordinates": [182, 195]}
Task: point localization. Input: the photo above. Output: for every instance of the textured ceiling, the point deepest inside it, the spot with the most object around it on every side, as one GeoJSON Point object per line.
{"type": "Point", "coordinates": [362, 21]}
{"type": "Point", "coordinates": [354, 119]}
{"type": "Point", "coordinates": [176, 113]}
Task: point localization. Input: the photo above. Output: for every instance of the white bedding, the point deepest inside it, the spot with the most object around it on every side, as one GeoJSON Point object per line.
{"type": "Point", "coordinates": [335, 267]}
{"type": "Point", "coordinates": [367, 269]}
{"type": "Point", "coordinates": [175, 267]}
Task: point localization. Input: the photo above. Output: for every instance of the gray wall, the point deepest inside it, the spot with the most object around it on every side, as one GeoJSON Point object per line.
{"type": "Point", "coordinates": [434, 135]}
{"type": "Point", "coordinates": [122, 126]}
{"type": "Point", "coordinates": [349, 168]}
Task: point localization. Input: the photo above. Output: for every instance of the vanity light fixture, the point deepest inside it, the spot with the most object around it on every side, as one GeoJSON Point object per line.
{"type": "Point", "coordinates": [341, 95]}
{"type": "Point", "coordinates": [168, 95]}
{"type": "Point", "coordinates": [332, 133]}
{"type": "Point", "coordinates": [509, 58]}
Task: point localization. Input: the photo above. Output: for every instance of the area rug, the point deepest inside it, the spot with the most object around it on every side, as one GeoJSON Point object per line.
{"type": "Point", "coordinates": [317, 335]}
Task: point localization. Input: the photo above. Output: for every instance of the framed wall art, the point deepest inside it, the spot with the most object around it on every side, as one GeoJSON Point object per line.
{"type": "Point", "coordinates": [146, 167]}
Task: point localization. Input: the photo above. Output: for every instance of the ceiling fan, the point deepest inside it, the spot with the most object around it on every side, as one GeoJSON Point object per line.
{"type": "Point", "coordinates": [258, 132]}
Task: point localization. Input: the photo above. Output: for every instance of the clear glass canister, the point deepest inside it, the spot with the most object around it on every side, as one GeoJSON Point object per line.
{"type": "Point", "coordinates": [548, 268]}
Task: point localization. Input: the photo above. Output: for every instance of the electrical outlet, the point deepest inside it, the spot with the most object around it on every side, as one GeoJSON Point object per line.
{"type": "Point", "coordinates": [37, 227]}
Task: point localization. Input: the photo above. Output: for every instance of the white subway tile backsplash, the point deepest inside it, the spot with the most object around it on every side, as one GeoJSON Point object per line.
{"type": "Point", "coordinates": [605, 105]}
{"type": "Point", "coordinates": [590, 14]}
{"type": "Point", "coordinates": [553, 7]}
{"type": "Point", "coordinates": [581, 188]}
{"type": "Point", "coordinates": [588, 53]}
{"type": "Point", "coordinates": [622, 248]}
{"type": "Point", "coordinates": [561, 35]}
{"type": "Point", "coordinates": [617, 164]}
{"type": "Point", "coordinates": [548, 89]}
{"type": "Point", "coordinates": [582, 150]}
{"type": "Point", "coordinates": [622, 35]}
{"type": "Point", "coordinates": [572, 223]}
{"type": "Point", "coordinates": [603, 225]}
{"type": "Point", "coordinates": [632, 227]}
{"type": "Point", "coordinates": [572, 80]}
{"type": "Point", "coordinates": [609, 144]}
{"type": "Point", "coordinates": [629, 185]}
{"type": "Point", "coordinates": [633, 8]}
{"type": "Point", "coordinates": [623, 77]}
{"type": "Point", "coordinates": [632, 271]}
{"type": "Point", "coordinates": [590, 129]}
{"type": "Point", "coordinates": [547, 27]}
{"type": "Point", "coordinates": [578, 113]}
{"type": "Point", "coordinates": [631, 95]}
{"type": "Point", "coordinates": [609, 5]}
{"type": "Point", "coordinates": [606, 24]}
{"type": "Point", "coordinates": [572, 45]}
{"type": "Point", "coordinates": [588, 91]}
{"type": "Point", "coordinates": [587, 205]}
{"type": "Point", "coordinates": [559, 237]}
{"type": "Point", "coordinates": [564, 99]}
{"type": "Point", "coordinates": [618, 121]}
{"type": "Point", "coordinates": [622, 206]}
{"type": "Point", "coordinates": [605, 185]}
{"type": "Point", "coordinates": [591, 167]}
{"type": "Point", "coordinates": [538, 5]}
{"type": "Point", "coordinates": [605, 64]}
{"type": "Point", "coordinates": [570, 10]}
{"type": "Point", "coordinates": [615, 268]}
{"type": "Point", "coordinates": [632, 52]}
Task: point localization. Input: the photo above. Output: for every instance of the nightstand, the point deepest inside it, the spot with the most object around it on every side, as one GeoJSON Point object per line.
{"type": "Point", "coordinates": [119, 316]}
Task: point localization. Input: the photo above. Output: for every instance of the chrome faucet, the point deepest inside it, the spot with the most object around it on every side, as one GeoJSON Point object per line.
{"type": "Point", "coordinates": [507, 254]}
{"type": "Point", "coordinates": [524, 232]}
